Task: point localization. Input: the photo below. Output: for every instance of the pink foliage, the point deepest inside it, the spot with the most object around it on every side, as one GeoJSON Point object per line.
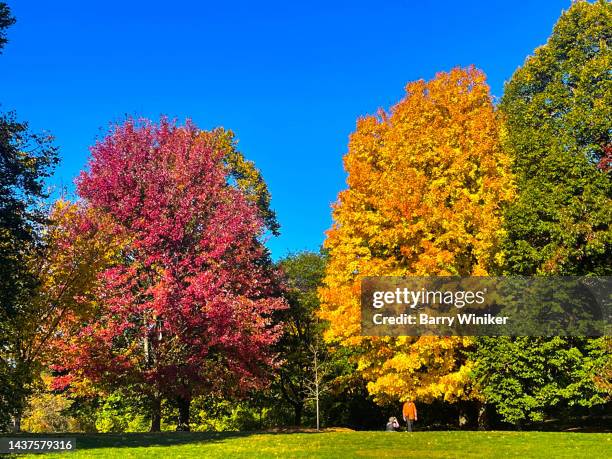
{"type": "Point", "coordinates": [189, 306]}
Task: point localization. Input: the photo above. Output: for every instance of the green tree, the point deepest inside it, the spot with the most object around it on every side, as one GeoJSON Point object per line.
{"type": "Point", "coordinates": [317, 380]}
{"type": "Point", "coordinates": [558, 110]}
{"type": "Point", "coordinates": [6, 20]}
{"type": "Point", "coordinates": [26, 160]}
{"type": "Point", "coordinates": [303, 273]}
{"type": "Point", "coordinates": [528, 379]}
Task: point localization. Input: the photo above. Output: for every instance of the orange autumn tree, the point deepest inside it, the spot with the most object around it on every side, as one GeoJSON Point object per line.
{"type": "Point", "coordinates": [427, 182]}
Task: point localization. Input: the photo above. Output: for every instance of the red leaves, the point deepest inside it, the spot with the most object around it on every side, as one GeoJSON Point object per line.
{"type": "Point", "coordinates": [190, 282]}
{"type": "Point", "coordinates": [605, 163]}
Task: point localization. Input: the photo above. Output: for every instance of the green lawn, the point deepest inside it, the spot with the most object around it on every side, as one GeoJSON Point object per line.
{"type": "Point", "coordinates": [345, 444]}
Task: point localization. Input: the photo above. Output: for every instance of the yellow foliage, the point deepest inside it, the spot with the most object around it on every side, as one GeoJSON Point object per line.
{"type": "Point", "coordinates": [78, 247]}
{"type": "Point", "coordinates": [45, 414]}
{"type": "Point", "coordinates": [427, 182]}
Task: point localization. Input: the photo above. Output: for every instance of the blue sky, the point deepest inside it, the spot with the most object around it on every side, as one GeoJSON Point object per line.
{"type": "Point", "coordinates": [289, 78]}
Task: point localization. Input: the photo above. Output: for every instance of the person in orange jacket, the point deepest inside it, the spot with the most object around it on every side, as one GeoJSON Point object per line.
{"type": "Point", "coordinates": [409, 412]}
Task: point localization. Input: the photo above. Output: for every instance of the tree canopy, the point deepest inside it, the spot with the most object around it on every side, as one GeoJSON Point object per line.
{"type": "Point", "coordinates": [186, 304]}
{"type": "Point", "coordinates": [428, 182]}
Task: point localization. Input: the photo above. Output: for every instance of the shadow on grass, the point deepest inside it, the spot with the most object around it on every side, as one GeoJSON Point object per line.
{"type": "Point", "coordinates": [143, 440]}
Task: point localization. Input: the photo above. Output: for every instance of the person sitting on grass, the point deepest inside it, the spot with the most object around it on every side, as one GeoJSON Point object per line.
{"type": "Point", "coordinates": [392, 425]}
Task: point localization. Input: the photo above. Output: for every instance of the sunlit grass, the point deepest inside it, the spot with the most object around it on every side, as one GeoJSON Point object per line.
{"type": "Point", "coordinates": [457, 444]}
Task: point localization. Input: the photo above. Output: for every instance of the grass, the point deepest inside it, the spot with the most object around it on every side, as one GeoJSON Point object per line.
{"type": "Point", "coordinates": [345, 444]}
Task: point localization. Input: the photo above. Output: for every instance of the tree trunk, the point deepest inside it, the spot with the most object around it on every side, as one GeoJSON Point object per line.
{"type": "Point", "coordinates": [17, 423]}
{"type": "Point", "coordinates": [19, 406]}
{"type": "Point", "coordinates": [318, 425]}
{"type": "Point", "coordinates": [184, 403]}
{"type": "Point", "coordinates": [463, 417]}
{"type": "Point", "coordinates": [316, 381]}
{"type": "Point", "coordinates": [297, 414]}
{"type": "Point", "coordinates": [483, 418]}
{"type": "Point", "coordinates": [155, 414]}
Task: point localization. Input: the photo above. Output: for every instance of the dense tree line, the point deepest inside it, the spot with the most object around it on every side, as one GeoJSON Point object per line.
{"type": "Point", "coordinates": [150, 302]}
{"type": "Point", "coordinates": [445, 183]}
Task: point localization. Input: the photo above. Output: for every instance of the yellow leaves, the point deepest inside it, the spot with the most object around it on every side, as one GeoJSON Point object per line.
{"type": "Point", "coordinates": [427, 184]}
{"type": "Point", "coordinates": [76, 251]}
{"type": "Point", "coordinates": [401, 376]}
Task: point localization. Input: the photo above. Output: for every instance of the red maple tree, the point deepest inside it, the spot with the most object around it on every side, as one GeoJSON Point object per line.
{"type": "Point", "coordinates": [187, 307]}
